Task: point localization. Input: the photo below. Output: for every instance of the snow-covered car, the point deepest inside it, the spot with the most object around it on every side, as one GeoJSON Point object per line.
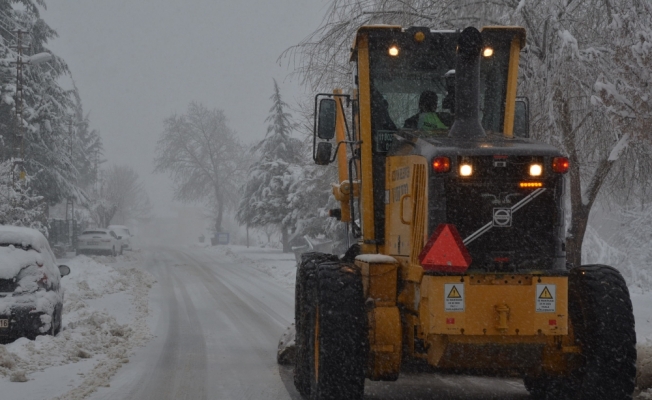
{"type": "Point", "coordinates": [123, 232]}
{"type": "Point", "coordinates": [99, 241]}
{"type": "Point", "coordinates": [31, 297]}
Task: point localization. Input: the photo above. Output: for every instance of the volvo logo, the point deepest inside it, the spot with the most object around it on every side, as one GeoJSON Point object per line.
{"type": "Point", "coordinates": [502, 217]}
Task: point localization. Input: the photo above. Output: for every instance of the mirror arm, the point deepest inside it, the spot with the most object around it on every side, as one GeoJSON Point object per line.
{"type": "Point", "coordinates": [338, 147]}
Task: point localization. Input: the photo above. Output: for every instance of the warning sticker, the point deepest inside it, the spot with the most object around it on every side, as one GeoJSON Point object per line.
{"type": "Point", "coordinates": [546, 298]}
{"type": "Point", "coordinates": [453, 297]}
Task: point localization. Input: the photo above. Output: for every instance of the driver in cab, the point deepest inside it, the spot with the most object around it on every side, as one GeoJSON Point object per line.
{"type": "Point", "coordinates": [426, 119]}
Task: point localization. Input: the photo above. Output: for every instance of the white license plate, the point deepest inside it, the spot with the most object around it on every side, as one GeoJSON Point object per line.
{"type": "Point", "coordinates": [4, 323]}
{"type": "Point", "coordinates": [93, 243]}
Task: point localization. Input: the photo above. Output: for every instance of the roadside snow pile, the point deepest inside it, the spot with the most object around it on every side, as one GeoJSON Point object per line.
{"type": "Point", "coordinates": [103, 336]}
{"type": "Point", "coordinates": [273, 262]}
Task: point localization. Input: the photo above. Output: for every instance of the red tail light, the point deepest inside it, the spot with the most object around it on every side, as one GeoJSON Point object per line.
{"type": "Point", "coordinates": [560, 165]}
{"type": "Point", "coordinates": [441, 164]}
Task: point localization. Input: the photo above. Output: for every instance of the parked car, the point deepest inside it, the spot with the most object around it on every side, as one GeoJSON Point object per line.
{"type": "Point", "coordinates": [99, 241]}
{"type": "Point", "coordinates": [31, 297]}
{"type": "Point", "coordinates": [123, 231]}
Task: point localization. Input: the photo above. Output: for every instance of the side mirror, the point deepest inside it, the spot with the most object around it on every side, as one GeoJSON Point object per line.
{"type": "Point", "coordinates": [64, 270]}
{"type": "Point", "coordinates": [323, 154]}
{"type": "Point", "coordinates": [522, 118]}
{"type": "Point", "coordinates": [326, 122]}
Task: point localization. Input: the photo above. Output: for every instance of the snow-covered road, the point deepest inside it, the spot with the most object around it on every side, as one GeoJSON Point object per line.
{"type": "Point", "coordinates": [217, 326]}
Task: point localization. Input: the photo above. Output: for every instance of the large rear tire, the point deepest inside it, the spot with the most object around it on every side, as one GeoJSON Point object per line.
{"type": "Point", "coordinates": [338, 342]}
{"type": "Point", "coordinates": [305, 281]}
{"type": "Point", "coordinates": [601, 315]}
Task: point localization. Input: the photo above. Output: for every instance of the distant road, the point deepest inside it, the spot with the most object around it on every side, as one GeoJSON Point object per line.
{"type": "Point", "coordinates": [217, 325]}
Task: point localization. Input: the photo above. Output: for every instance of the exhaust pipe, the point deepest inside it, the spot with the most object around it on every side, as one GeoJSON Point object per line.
{"type": "Point", "coordinates": [467, 86]}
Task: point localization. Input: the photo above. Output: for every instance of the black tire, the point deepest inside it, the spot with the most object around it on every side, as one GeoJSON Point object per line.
{"type": "Point", "coordinates": [601, 314]}
{"type": "Point", "coordinates": [338, 343]}
{"type": "Point", "coordinates": [305, 280]}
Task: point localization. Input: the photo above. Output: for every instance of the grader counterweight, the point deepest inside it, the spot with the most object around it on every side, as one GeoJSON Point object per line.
{"type": "Point", "coordinates": [458, 222]}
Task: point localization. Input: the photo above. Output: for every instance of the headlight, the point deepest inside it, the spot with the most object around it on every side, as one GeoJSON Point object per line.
{"type": "Point", "coordinates": [536, 170]}
{"type": "Point", "coordinates": [466, 170]}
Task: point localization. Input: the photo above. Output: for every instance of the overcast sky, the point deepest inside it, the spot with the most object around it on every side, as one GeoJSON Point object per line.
{"type": "Point", "coordinates": [136, 62]}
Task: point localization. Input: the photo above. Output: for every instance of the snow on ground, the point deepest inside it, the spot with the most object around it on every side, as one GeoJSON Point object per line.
{"type": "Point", "coordinates": [273, 262]}
{"type": "Point", "coordinates": [104, 317]}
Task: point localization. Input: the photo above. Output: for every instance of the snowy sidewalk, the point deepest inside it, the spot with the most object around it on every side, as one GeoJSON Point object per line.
{"type": "Point", "coordinates": [104, 317]}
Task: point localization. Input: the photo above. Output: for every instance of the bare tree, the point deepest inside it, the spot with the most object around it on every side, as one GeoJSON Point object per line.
{"type": "Point", "coordinates": [585, 69]}
{"type": "Point", "coordinates": [203, 157]}
{"type": "Point", "coordinates": [124, 190]}
{"type": "Point", "coordinates": [119, 198]}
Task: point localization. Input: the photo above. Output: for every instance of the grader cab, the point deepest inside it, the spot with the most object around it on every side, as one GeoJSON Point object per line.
{"type": "Point", "coordinates": [458, 258]}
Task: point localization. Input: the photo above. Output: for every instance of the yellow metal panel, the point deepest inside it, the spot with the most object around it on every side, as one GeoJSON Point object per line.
{"type": "Point", "coordinates": [405, 179]}
{"type": "Point", "coordinates": [512, 83]}
{"type": "Point", "coordinates": [367, 201]}
{"type": "Point", "coordinates": [484, 302]}
{"type": "Point", "coordinates": [342, 167]}
{"type": "Point", "coordinates": [379, 281]}
{"type": "Point", "coordinates": [385, 343]}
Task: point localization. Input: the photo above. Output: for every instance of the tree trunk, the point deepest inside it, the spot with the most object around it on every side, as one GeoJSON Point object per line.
{"type": "Point", "coordinates": [581, 202]}
{"type": "Point", "coordinates": [285, 236]}
{"type": "Point", "coordinates": [220, 212]}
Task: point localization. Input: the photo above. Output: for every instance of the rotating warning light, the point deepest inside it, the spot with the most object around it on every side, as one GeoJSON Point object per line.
{"type": "Point", "coordinates": [560, 165]}
{"type": "Point", "coordinates": [393, 51]}
{"type": "Point", "coordinates": [466, 170]}
{"type": "Point", "coordinates": [419, 36]}
{"type": "Point", "coordinates": [441, 164]}
{"type": "Point", "coordinates": [536, 170]}
{"type": "Point", "coordinates": [488, 52]}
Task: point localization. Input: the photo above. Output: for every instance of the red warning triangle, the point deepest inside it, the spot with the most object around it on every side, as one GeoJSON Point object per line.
{"type": "Point", "coordinates": [445, 251]}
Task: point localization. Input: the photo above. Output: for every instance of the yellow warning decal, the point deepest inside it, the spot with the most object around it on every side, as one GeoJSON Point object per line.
{"type": "Point", "coordinates": [454, 294]}
{"type": "Point", "coordinates": [545, 294]}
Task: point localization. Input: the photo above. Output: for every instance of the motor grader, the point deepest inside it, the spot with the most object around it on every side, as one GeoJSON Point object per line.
{"type": "Point", "coordinates": [457, 258]}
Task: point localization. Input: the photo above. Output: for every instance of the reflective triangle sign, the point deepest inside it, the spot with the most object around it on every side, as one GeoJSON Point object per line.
{"type": "Point", "coordinates": [445, 251]}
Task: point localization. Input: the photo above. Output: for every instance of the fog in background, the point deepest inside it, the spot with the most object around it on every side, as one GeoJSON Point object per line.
{"type": "Point", "coordinates": [136, 62]}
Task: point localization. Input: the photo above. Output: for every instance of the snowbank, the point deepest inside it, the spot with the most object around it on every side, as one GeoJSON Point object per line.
{"type": "Point", "coordinates": [104, 317]}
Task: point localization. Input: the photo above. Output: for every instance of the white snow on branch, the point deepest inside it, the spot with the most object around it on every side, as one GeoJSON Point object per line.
{"type": "Point", "coordinates": [619, 147]}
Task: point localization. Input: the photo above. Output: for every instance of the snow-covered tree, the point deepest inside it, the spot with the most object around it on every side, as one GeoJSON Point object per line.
{"type": "Point", "coordinates": [267, 195]}
{"type": "Point", "coordinates": [203, 157]}
{"type": "Point", "coordinates": [19, 206]}
{"type": "Point", "coordinates": [585, 69]}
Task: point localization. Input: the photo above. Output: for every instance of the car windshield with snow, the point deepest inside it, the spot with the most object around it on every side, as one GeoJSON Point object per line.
{"type": "Point", "coordinates": [31, 299]}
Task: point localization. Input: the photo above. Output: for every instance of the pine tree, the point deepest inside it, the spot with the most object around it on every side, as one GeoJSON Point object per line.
{"type": "Point", "coordinates": [267, 194]}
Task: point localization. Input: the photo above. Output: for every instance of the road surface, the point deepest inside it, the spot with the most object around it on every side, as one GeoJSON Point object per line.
{"type": "Point", "coordinates": [217, 324]}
